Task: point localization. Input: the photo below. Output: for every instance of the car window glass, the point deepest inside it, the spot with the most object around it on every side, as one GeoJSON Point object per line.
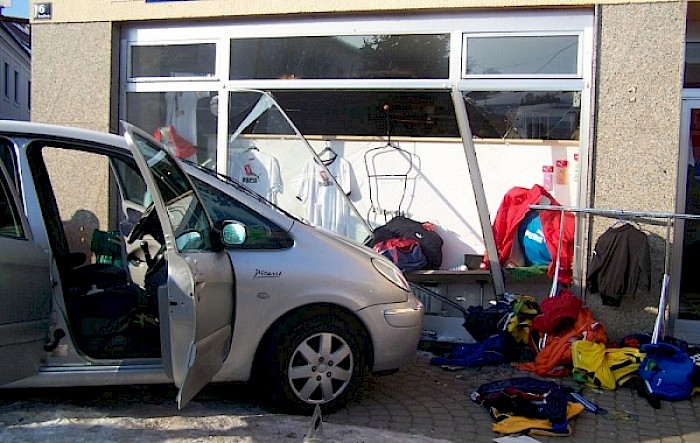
{"type": "Point", "coordinates": [7, 157]}
{"type": "Point", "coordinates": [10, 221]}
{"type": "Point", "coordinates": [132, 184]}
{"type": "Point", "coordinates": [185, 212]}
{"type": "Point", "coordinates": [262, 233]}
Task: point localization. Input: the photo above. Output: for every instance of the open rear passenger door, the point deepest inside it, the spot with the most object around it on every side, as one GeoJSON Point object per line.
{"type": "Point", "coordinates": [197, 304]}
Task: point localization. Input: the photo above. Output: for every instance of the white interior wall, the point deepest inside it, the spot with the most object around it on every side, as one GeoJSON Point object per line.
{"type": "Point", "coordinates": [439, 188]}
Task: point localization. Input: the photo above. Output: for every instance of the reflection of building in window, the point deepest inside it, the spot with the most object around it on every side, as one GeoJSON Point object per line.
{"type": "Point", "coordinates": [551, 115]}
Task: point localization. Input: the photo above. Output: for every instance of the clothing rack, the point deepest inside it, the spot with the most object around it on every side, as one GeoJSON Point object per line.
{"type": "Point", "coordinates": [669, 218]}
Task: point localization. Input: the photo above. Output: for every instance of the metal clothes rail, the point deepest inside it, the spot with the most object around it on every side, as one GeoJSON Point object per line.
{"type": "Point", "coordinates": [638, 216]}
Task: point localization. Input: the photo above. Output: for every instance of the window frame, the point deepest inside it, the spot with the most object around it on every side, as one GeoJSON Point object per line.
{"type": "Point", "coordinates": [6, 77]}
{"type": "Point", "coordinates": [128, 61]}
{"type": "Point", "coordinates": [16, 91]}
{"type": "Point", "coordinates": [535, 22]}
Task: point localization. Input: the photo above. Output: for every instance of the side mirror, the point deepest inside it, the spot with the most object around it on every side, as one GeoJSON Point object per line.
{"type": "Point", "coordinates": [234, 233]}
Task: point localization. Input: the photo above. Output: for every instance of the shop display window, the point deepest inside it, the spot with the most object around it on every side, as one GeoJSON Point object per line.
{"type": "Point", "coordinates": [191, 60]}
{"type": "Point", "coordinates": [361, 113]}
{"type": "Point", "coordinates": [404, 56]}
{"type": "Point", "coordinates": [521, 55]}
{"type": "Point", "coordinates": [544, 115]}
{"type": "Point", "coordinates": [184, 120]}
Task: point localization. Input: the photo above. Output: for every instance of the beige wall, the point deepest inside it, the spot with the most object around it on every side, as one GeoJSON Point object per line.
{"type": "Point", "coordinates": [119, 10]}
{"type": "Point", "coordinates": [634, 156]}
{"type": "Point", "coordinates": [75, 83]}
{"type": "Point", "coordinates": [73, 75]}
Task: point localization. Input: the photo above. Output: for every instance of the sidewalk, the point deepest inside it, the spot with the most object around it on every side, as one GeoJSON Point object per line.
{"type": "Point", "coordinates": [421, 403]}
{"type": "Point", "coordinates": [433, 402]}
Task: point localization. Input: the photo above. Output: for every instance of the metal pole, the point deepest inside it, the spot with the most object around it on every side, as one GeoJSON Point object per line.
{"type": "Point", "coordinates": [478, 185]}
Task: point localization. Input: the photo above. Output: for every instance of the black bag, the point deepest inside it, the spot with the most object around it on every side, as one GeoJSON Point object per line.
{"type": "Point", "coordinates": [429, 240]}
{"type": "Point", "coordinates": [483, 323]}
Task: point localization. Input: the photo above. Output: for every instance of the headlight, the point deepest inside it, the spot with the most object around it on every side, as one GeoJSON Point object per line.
{"type": "Point", "coordinates": [391, 273]}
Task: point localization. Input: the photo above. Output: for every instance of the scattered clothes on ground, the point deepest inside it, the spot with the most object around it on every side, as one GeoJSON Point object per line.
{"type": "Point", "coordinates": [667, 372]}
{"type": "Point", "coordinates": [519, 320]}
{"type": "Point", "coordinates": [528, 405]}
{"type": "Point", "coordinates": [558, 314]}
{"type": "Point", "coordinates": [495, 350]}
{"type": "Point", "coordinates": [598, 366]}
{"type": "Point", "coordinates": [589, 405]}
{"type": "Point", "coordinates": [554, 359]}
{"type": "Point", "coordinates": [482, 323]}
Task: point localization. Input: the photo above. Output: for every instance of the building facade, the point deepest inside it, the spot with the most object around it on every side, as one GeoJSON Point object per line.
{"type": "Point", "coordinates": [592, 100]}
{"type": "Point", "coordinates": [16, 68]}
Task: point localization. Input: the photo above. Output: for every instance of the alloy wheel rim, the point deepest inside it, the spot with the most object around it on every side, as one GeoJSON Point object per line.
{"type": "Point", "coordinates": [321, 368]}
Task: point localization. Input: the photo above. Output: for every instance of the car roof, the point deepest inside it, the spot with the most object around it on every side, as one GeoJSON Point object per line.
{"type": "Point", "coordinates": [61, 131]}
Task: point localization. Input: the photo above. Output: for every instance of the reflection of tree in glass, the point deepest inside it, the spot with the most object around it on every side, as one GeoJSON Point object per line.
{"type": "Point", "coordinates": [405, 56]}
{"type": "Point", "coordinates": [303, 57]}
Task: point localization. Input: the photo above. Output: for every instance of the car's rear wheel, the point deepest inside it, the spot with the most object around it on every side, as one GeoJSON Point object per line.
{"type": "Point", "coordinates": [316, 360]}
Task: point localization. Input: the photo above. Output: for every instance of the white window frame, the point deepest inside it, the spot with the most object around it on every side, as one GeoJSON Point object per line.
{"type": "Point", "coordinates": [128, 61]}
{"type": "Point", "coordinates": [494, 22]}
{"type": "Point", "coordinates": [483, 22]}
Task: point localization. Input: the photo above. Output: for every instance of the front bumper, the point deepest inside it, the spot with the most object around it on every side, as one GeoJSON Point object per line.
{"type": "Point", "coordinates": [395, 329]}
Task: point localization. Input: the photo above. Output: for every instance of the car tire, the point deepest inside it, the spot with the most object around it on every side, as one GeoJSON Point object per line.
{"type": "Point", "coordinates": [317, 358]}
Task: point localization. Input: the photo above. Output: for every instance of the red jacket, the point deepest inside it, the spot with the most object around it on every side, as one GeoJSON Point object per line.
{"type": "Point", "coordinates": [516, 203]}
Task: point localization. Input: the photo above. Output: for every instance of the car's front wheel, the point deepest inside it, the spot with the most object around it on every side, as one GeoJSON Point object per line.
{"type": "Point", "coordinates": [316, 360]}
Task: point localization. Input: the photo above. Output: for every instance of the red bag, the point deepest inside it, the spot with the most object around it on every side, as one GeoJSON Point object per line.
{"type": "Point", "coordinates": [555, 360]}
{"type": "Point", "coordinates": [405, 252]}
{"type": "Point", "coordinates": [178, 145]}
{"type": "Point", "coordinates": [559, 314]}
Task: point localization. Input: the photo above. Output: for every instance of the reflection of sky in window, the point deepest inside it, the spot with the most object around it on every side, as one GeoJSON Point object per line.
{"type": "Point", "coordinates": [358, 41]}
{"type": "Point", "coordinates": [522, 55]}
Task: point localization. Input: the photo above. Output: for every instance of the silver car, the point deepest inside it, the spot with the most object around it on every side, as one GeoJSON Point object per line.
{"type": "Point", "coordinates": [201, 280]}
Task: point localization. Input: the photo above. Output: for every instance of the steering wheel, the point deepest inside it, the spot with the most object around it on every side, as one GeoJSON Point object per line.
{"type": "Point", "coordinates": [147, 224]}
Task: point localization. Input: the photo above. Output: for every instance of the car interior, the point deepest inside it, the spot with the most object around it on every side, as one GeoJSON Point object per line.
{"type": "Point", "coordinates": [111, 315]}
{"type": "Point", "coordinates": [110, 275]}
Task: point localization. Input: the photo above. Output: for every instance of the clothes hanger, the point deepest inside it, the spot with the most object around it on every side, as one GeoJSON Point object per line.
{"type": "Point", "coordinates": [332, 155]}
{"type": "Point", "coordinates": [623, 222]}
{"type": "Point", "coordinates": [374, 178]}
{"type": "Point", "coordinates": [619, 223]}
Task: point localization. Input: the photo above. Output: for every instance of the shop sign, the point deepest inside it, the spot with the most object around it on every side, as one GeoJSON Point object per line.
{"type": "Point", "coordinates": [42, 11]}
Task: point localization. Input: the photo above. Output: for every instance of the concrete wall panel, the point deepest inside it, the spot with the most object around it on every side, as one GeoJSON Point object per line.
{"type": "Point", "coordinates": [635, 150]}
{"type": "Point", "coordinates": [73, 74]}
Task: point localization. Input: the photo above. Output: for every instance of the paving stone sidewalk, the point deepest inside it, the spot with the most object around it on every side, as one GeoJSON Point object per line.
{"type": "Point", "coordinates": [421, 403]}
{"type": "Point", "coordinates": [434, 402]}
